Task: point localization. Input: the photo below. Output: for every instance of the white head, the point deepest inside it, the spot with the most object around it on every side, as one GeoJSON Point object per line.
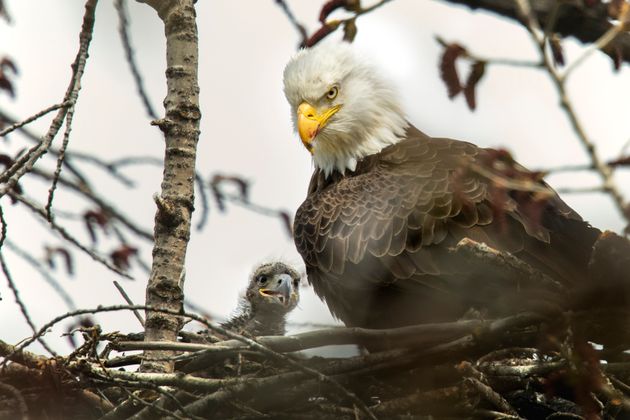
{"type": "Point", "coordinates": [342, 108]}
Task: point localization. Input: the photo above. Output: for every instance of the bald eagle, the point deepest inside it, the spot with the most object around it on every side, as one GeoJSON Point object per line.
{"type": "Point", "coordinates": [387, 204]}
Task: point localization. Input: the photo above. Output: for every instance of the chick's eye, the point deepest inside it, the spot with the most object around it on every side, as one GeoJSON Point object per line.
{"type": "Point", "coordinates": [332, 92]}
{"type": "Point", "coordinates": [262, 279]}
{"type": "Point", "coordinates": [296, 283]}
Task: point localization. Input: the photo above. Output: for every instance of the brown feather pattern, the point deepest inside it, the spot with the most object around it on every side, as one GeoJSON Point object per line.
{"type": "Point", "coordinates": [376, 240]}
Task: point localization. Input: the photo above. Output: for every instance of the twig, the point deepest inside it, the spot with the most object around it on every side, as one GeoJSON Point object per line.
{"type": "Point", "coordinates": [490, 395]}
{"type": "Point", "coordinates": [32, 118]}
{"type": "Point", "coordinates": [129, 55]}
{"type": "Point", "coordinates": [14, 289]}
{"type": "Point", "coordinates": [123, 346]}
{"type": "Point", "coordinates": [89, 194]}
{"type": "Point", "coordinates": [415, 336]}
{"type": "Point", "coordinates": [44, 272]}
{"type": "Point", "coordinates": [113, 166]}
{"type": "Point", "coordinates": [129, 301]}
{"type": "Point", "coordinates": [123, 384]}
{"type": "Point", "coordinates": [603, 41]}
{"type": "Point", "coordinates": [581, 190]}
{"type": "Point", "coordinates": [598, 164]}
{"type": "Point", "coordinates": [21, 305]}
{"type": "Point", "coordinates": [67, 236]}
{"type": "Point", "coordinates": [498, 61]}
{"type": "Point", "coordinates": [19, 356]}
{"type": "Point", "coordinates": [259, 209]}
{"type": "Point", "coordinates": [297, 25]}
{"type": "Point", "coordinates": [518, 269]}
{"type": "Point", "coordinates": [312, 372]}
{"type": "Point", "coordinates": [60, 160]}
{"type": "Point", "coordinates": [25, 164]}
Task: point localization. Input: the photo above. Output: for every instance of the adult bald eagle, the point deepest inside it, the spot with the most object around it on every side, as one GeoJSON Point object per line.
{"type": "Point", "coordinates": [387, 203]}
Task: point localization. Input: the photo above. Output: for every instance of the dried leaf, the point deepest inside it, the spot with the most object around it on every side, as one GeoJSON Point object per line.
{"type": "Point", "coordinates": [5, 82]}
{"type": "Point", "coordinates": [7, 63]}
{"type": "Point", "coordinates": [330, 7]}
{"type": "Point", "coordinates": [448, 71]}
{"type": "Point", "coordinates": [322, 33]}
{"type": "Point", "coordinates": [349, 30]}
{"type": "Point", "coordinates": [556, 50]}
{"type": "Point", "coordinates": [121, 257]}
{"type": "Point", "coordinates": [51, 252]}
{"type": "Point", "coordinates": [82, 323]}
{"type": "Point", "coordinates": [477, 70]}
{"type": "Point", "coordinates": [95, 217]}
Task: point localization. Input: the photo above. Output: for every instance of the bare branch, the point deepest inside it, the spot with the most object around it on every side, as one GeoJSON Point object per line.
{"type": "Point", "coordinates": [598, 164]}
{"type": "Point", "coordinates": [25, 164]}
{"type": "Point", "coordinates": [129, 54]}
{"type": "Point", "coordinates": [67, 236]}
{"type": "Point", "coordinates": [297, 25]}
{"type": "Point", "coordinates": [129, 302]}
{"type": "Point", "coordinates": [32, 118]}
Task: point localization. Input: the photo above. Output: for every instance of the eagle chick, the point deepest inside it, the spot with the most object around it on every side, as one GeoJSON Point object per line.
{"type": "Point", "coordinates": [272, 293]}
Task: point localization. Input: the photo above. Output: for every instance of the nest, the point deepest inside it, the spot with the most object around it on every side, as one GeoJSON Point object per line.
{"type": "Point", "coordinates": [539, 364]}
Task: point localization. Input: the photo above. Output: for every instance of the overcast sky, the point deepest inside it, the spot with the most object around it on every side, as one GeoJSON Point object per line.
{"type": "Point", "coordinates": [246, 129]}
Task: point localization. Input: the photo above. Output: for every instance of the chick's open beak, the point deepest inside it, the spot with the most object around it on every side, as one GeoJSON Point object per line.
{"type": "Point", "coordinates": [280, 287]}
{"type": "Point", "coordinates": [310, 122]}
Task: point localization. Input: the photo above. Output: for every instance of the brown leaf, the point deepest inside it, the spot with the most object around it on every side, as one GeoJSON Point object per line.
{"type": "Point", "coordinates": [556, 50]}
{"type": "Point", "coordinates": [95, 217]}
{"type": "Point", "coordinates": [448, 71]}
{"type": "Point", "coordinates": [7, 63]}
{"type": "Point", "coordinates": [50, 253]}
{"type": "Point", "coordinates": [121, 256]}
{"type": "Point", "coordinates": [477, 70]}
{"type": "Point", "coordinates": [349, 30]}
{"type": "Point", "coordinates": [5, 82]}
{"type": "Point", "coordinates": [330, 7]}
{"type": "Point", "coordinates": [322, 33]}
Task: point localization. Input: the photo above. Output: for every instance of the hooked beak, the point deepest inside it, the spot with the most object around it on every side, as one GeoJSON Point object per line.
{"type": "Point", "coordinates": [310, 123]}
{"type": "Point", "coordinates": [280, 288]}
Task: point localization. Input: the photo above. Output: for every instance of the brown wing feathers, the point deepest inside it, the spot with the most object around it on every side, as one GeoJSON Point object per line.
{"type": "Point", "coordinates": [376, 242]}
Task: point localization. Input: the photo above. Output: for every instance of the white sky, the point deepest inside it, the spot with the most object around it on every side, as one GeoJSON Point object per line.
{"type": "Point", "coordinates": [246, 128]}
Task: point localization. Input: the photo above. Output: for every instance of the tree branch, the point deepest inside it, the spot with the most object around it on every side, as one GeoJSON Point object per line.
{"type": "Point", "coordinates": [587, 23]}
{"type": "Point", "coordinates": [176, 201]}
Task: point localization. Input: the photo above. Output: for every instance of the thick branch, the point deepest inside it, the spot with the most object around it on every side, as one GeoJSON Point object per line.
{"type": "Point", "coordinates": [175, 202]}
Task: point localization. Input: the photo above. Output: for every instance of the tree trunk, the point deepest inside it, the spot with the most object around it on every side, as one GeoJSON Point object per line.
{"type": "Point", "coordinates": [175, 203]}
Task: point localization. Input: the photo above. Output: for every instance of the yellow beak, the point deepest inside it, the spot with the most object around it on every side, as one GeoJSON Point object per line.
{"type": "Point", "coordinates": [310, 123]}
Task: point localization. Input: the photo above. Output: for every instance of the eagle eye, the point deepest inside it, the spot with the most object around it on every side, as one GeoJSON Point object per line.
{"type": "Point", "coordinates": [332, 92]}
{"type": "Point", "coordinates": [262, 279]}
